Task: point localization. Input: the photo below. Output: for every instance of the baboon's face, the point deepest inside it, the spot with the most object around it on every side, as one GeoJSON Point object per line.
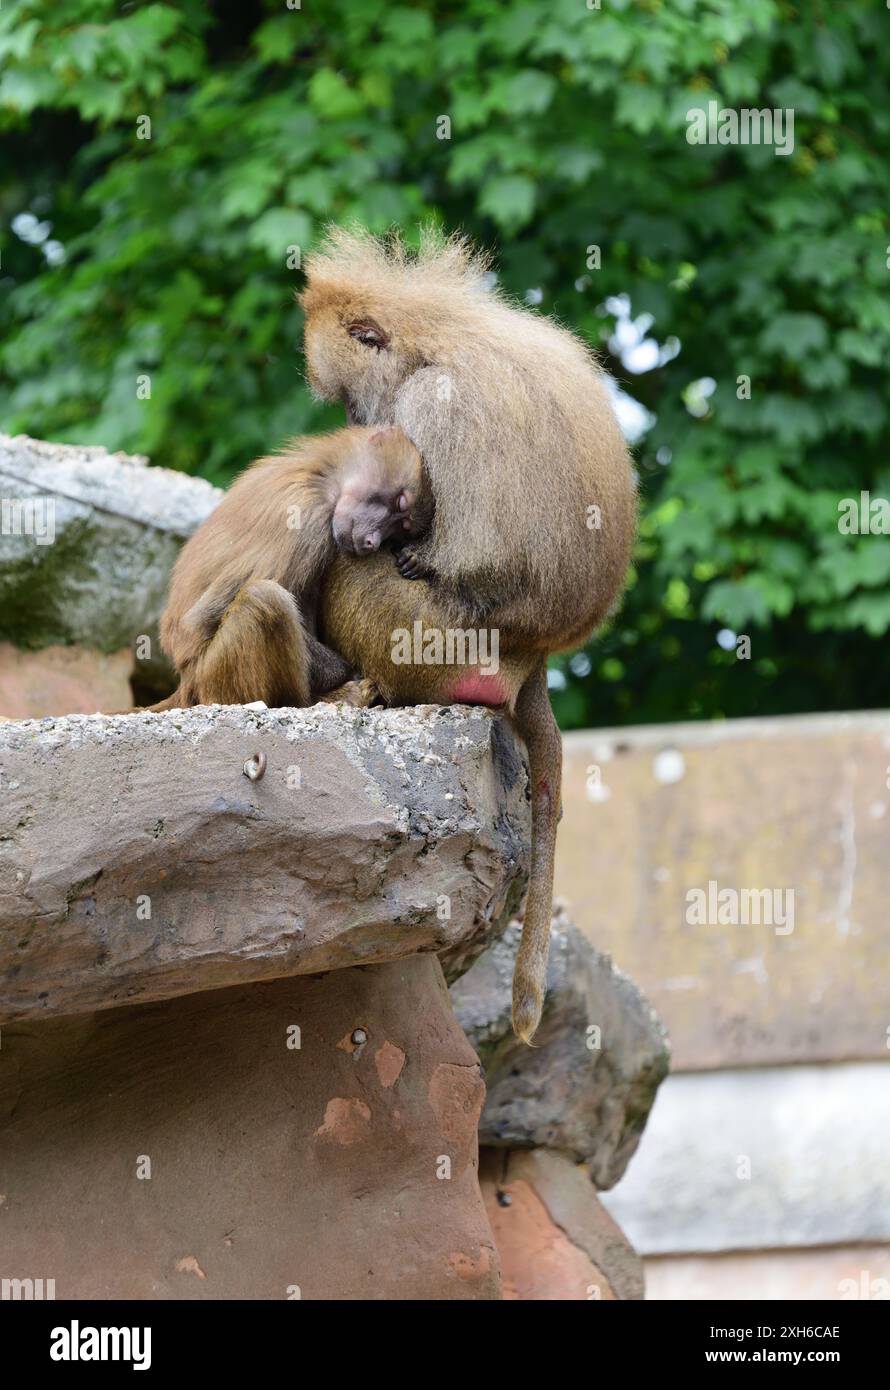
{"type": "Point", "coordinates": [378, 491]}
{"type": "Point", "coordinates": [353, 355]}
{"type": "Point", "coordinates": [364, 519]}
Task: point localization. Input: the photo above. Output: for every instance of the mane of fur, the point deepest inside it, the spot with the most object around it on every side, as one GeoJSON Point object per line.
{"type": "Point", "coordinates": [526, 422]}
{"type": "Point", "coordinates": [446, 265]}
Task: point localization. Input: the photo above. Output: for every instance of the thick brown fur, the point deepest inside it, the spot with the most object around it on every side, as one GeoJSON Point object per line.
{"type": "Point", "coordinates": [240, 621]}
{"type": "Point", "coordinates": [535, 495]}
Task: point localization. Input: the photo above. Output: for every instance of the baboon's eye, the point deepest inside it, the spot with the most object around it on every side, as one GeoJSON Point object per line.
{"type": "Point", "coordinates": [370, 333]}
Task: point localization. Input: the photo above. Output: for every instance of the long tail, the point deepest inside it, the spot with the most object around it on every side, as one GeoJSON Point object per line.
{"type": "Point", "coordinates": [535, 722]}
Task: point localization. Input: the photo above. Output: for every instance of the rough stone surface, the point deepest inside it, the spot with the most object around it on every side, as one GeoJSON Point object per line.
{"type": "Point", "coordinates": [275, 1171]}
{"type": "Point", "coordinates": [555, 1239]}
{"type": "Point", "coordinates": [799, 803]}
{"type": "Point", "coordinates": [117, 527]}
{"type": "Point", "coordinates": [585, 1093]}
{"type": "Point", "coordinates": [137, 861]}
{"type": "Point", "coordinates": [766, 1158]}
{"type": "Point", "coordinates": [62, 680]}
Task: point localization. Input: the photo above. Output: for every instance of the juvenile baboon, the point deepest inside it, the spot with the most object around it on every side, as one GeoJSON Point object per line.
{"type": "Point", "coordinates": [534, 490]}
{"type": "Point", "coordinates": [240, 618]}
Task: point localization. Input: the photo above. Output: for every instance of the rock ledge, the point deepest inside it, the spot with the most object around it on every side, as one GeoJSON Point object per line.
{"type": "Point", "coordinates": [139, 862]}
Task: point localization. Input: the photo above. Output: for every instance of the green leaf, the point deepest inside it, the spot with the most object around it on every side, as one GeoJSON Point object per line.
{"type": "Point", "coordinates": [795, 335]}
{"type": "Point", "coordinates": [509, 200]}
{"type": "Point", "coordinates": [278, 229]}
{"type": "Point", "coordinates": [276, 40]}
{"type": "Point", "coordinates": [528, 91]}
{"type": "Point", "coordinates": [736, 604]}
{"type": "Point", "coordinates": [639, 107]}
{"type": "Point", "coordinates": [332, 97]}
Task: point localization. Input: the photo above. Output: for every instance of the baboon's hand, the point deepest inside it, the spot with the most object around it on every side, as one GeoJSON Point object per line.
{"type": "Point", "coordinates": [361, 694]}
{"type": "Point", "coordinates": [409, 564]}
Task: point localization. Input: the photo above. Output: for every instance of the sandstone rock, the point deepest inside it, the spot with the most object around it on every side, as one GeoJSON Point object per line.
{"type": "Point", "coordinates": [587, 1085]}
{"type": "Point", "coordinates": [137, 861]}
{"type": "Point", "coordinates": [554, 1238]}
{"type": "Point", "coordinates": [203, 1148]}
{"type": "Point", "coordinates": [87, 542]}
{"type": "Point", "coordinates": [62, 680]}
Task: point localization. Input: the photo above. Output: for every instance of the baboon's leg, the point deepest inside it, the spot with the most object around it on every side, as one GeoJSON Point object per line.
{"type": "Point", "coordinates": [258, 652]}
{"type": "Point", "coordinates": [327, 669]}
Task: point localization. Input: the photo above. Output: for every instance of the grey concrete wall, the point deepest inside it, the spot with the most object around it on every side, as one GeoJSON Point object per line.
{"type": "Point", "coordinates": [772, 805]}
{"type": "Point", "coordinates": [783, 1157]}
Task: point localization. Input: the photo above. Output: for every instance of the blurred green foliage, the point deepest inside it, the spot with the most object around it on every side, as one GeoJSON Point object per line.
{"type": "Point", "coordinates": [568, 130]}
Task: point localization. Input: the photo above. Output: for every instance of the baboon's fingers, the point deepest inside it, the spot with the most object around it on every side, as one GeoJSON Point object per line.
{"type": "Point", "coordinates": [408, 565]}
{"type": "Point", "coordinates": [361, 694]}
